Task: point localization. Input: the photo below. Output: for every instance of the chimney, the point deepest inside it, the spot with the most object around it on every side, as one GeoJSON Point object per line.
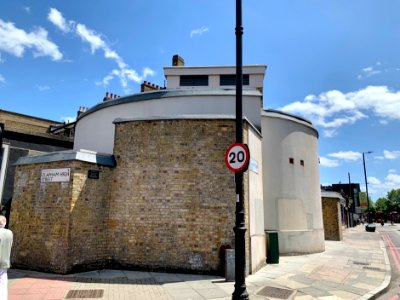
{"type": "Point", "coordinates": [148, 87]}
{"type": "Point", "coordinates": [110, 96]}
{"type": "Point", "coordinates": [177, 61]}
{"type": "Point", "coordinates": [81, 110]}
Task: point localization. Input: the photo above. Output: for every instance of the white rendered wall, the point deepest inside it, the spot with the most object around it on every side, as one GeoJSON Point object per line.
{"type": "Point", "coordinates": [292, 196]}
{"type": "Point", "coordinates": [256, 204]}
{"type": "Point", "coordinates": [4, 162]}
{"type": "Point", "coordinates": [95, 131]}
{"type": "Point", "coordinates": [256, 75]}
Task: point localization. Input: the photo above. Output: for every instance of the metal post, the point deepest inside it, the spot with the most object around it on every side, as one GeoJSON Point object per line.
{"type": "Point", "coordinates": [240, 291]}
{"type": "Point", "coordinates": [366, 187]}
{"type": "Point", "coordinates": [1, 151]}
{"type": "Point", "coordinates": [349, 210]}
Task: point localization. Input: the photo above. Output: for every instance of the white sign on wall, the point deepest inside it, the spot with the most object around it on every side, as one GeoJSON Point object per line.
{"type": "Point", "coordinates": [56, 175]}
{"type": "Point", "coordinates": [253, 166]}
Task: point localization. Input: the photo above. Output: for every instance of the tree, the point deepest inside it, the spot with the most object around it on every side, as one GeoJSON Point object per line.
{"type": "Point", "coordinates": [381, 204]}
{"type": "Point", "coordinates": [389, 203]}
{"type": "Point", "coordinates": [394, 197]}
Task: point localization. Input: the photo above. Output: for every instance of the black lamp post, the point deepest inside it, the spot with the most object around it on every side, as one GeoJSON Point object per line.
{"type": "Point", "coordinates": [240, 292]}
{"type": "Point", "coordinates": [366, 186]}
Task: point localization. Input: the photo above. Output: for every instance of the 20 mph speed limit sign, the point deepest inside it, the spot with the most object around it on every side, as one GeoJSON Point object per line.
{"type": "Point", "coordinates": [237, 157]}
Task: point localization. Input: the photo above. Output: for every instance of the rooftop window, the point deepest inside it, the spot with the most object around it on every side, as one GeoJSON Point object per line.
{"type": "Point", "coordinates": [193, 80]}
{"type": "Point", "coordinates": [231, 79]}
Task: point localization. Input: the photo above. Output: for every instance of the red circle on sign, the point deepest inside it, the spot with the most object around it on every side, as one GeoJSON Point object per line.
{"type": "Point", "coordinates": [237, 157]}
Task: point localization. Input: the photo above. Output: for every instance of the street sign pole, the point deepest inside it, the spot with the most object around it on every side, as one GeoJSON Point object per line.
{"type": "Point", "coordinates": [240, 291]}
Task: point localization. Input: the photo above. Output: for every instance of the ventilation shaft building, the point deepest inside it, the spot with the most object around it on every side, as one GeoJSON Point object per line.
{"type": "Point", "coordinates": [146, 185]}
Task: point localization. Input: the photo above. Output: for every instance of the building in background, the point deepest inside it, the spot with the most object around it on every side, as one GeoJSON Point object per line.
{"type": "Point", "coordinates": [24, 135]}
{"type": "Point", "coordinates": [334, 215]}
{"type": "Point", "coordinates": [351, 210]}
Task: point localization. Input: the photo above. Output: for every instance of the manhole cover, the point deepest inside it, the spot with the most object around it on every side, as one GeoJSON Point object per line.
{"type": "Point", "coordinates": [84, 294]}
{"type": "Point", "coordinates": [360, 263]}
{"type": "Point", "coordinates": [373, 268]}
{"type": "Point", "coordinates": [274, 292]}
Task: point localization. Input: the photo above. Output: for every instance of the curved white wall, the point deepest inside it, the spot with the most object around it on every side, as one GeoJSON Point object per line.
{"type": "Point", "coordinates": [95, 129]}
{"type": "Point", "coordinates": [292, 196]}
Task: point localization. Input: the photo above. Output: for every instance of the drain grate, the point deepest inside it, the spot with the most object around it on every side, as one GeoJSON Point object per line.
{"type": "Point", "coordinates": [360, 263]}
{"type": "Point", "coordinates": [274, 292]}
{"type": "Point", "coordinates": [84, 294]}
{"type": "Point", "coordinates": [373, 268]}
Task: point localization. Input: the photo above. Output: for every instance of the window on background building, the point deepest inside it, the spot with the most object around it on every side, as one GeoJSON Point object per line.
{"type": "Point", "coordinates": [231, 79]}
{"type": "Point", "coordinates": [193, 80]}
{"type": "Point", "coordinates": [291, 160]}
{"type": "Point", "coordinates": [302, 162]}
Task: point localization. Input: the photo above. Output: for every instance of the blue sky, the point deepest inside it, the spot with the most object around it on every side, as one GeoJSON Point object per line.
{"type": "Point", "coordinates": [334, 62]}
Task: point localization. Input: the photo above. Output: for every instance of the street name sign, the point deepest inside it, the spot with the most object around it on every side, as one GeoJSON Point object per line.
{"type": "Point", "coordinates": [55, 175]}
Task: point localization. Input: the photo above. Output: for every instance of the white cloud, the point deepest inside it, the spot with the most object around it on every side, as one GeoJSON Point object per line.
{"type": "Point", "coordinates": [346, 155]}
{"type": "Point", "coordinates": [199, 31]}
{"type": "Point", "coordinates": [329, 133]}
{"type": "Point", "coordinates": [15, 41]}
{"type": "Point", "coordinates": [2, 79]}
{"type": "Point", "coordinates": [373, 181]}
{"type": "Point", "coordinates": [391, 181]}
{"type": "Point", "coordinates": [27, 9]}
{"type": "Point", "coordinates": [335, 159]}
{"type": "Point", "coordinates": [148, 72]}
{"type": "Point", "coordinates": [327, 162]}
{"type": "Point", "coordinates": [369, 71]}
{"type": "Point", "coordinates": [43, 88]}
{"type": "Point", "coordinates": [58, 20]}
{"type": "Point", "coordinates": [334, 109]}
{"type": "Point", "coordinates": [91, 37]}
{"type": "Point", "coordinates": [391, 154]}
{"type": "Point", "coordinates": [97, 42]}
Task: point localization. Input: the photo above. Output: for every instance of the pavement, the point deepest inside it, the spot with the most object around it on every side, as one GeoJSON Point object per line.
{"type": "Point", "coordinates": [355, 268]}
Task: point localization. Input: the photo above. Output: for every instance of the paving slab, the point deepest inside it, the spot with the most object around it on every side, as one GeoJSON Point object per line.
{"type": "Point", "coordinates": [355, 268]}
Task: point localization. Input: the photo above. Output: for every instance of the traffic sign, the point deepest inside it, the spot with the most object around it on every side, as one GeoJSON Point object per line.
{"type": "Point", "coordinates": [237, 157]}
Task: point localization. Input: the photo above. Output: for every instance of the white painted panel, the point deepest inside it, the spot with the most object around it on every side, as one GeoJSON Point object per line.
{"type": "Point", "coordinates": [95, 131]}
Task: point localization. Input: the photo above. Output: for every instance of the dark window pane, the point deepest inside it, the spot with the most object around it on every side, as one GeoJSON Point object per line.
{"type": "Point", "coordinates": [231, 79]}
{"type": "Point", "coordinates": [193, 80]}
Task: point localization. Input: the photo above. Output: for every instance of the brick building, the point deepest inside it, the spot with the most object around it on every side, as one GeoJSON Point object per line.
{"type": "Point", "coordinates": [146, 185]}
{"type": "Point", "coordinates": [24, 135]}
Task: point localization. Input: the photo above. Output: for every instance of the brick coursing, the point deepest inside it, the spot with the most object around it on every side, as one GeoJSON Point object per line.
{"type": "Point", "coordinates": [23, 123]}
{"type": "Point", "coordinates": [332, 219]}
{"type": "Point", "coordinates": [169, 204]}
{"type": "Point", "coordinates": [58, 225]}
{"type": "Point", "coordinates": [178, 205]}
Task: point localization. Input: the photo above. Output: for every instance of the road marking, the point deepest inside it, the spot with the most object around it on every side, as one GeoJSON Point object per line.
{"type": "Point", "coordinates": [393, 250]}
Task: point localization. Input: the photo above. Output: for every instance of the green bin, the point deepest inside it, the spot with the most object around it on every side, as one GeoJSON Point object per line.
{"type": "Point", "coordinates": [272, 247]}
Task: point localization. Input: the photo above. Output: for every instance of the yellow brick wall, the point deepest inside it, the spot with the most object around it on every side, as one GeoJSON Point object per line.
{"type": "Point", "coordinates": [332, 219]}
{"type": "Point", "coordinates": [168, 204]}
{"type": "Point", "coordinates": [22, 123]}
{"type": "Point", "coordinates": [59, 225]}
{"type": "Point", "coordinates": [177, 207]}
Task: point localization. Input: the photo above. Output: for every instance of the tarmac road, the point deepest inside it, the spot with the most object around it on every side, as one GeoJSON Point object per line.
{"type": "Point", "coordinates": [391, 237]}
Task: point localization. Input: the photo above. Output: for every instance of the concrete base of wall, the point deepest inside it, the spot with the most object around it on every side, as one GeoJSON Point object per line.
{"type": "Point", "coordinates": [301, 242]}
{"type": "Point", "coordinates": [258, 253]}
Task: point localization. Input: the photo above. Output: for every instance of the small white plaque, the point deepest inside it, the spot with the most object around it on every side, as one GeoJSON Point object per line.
{"type": "Point", "coordinates": [56, 175]}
